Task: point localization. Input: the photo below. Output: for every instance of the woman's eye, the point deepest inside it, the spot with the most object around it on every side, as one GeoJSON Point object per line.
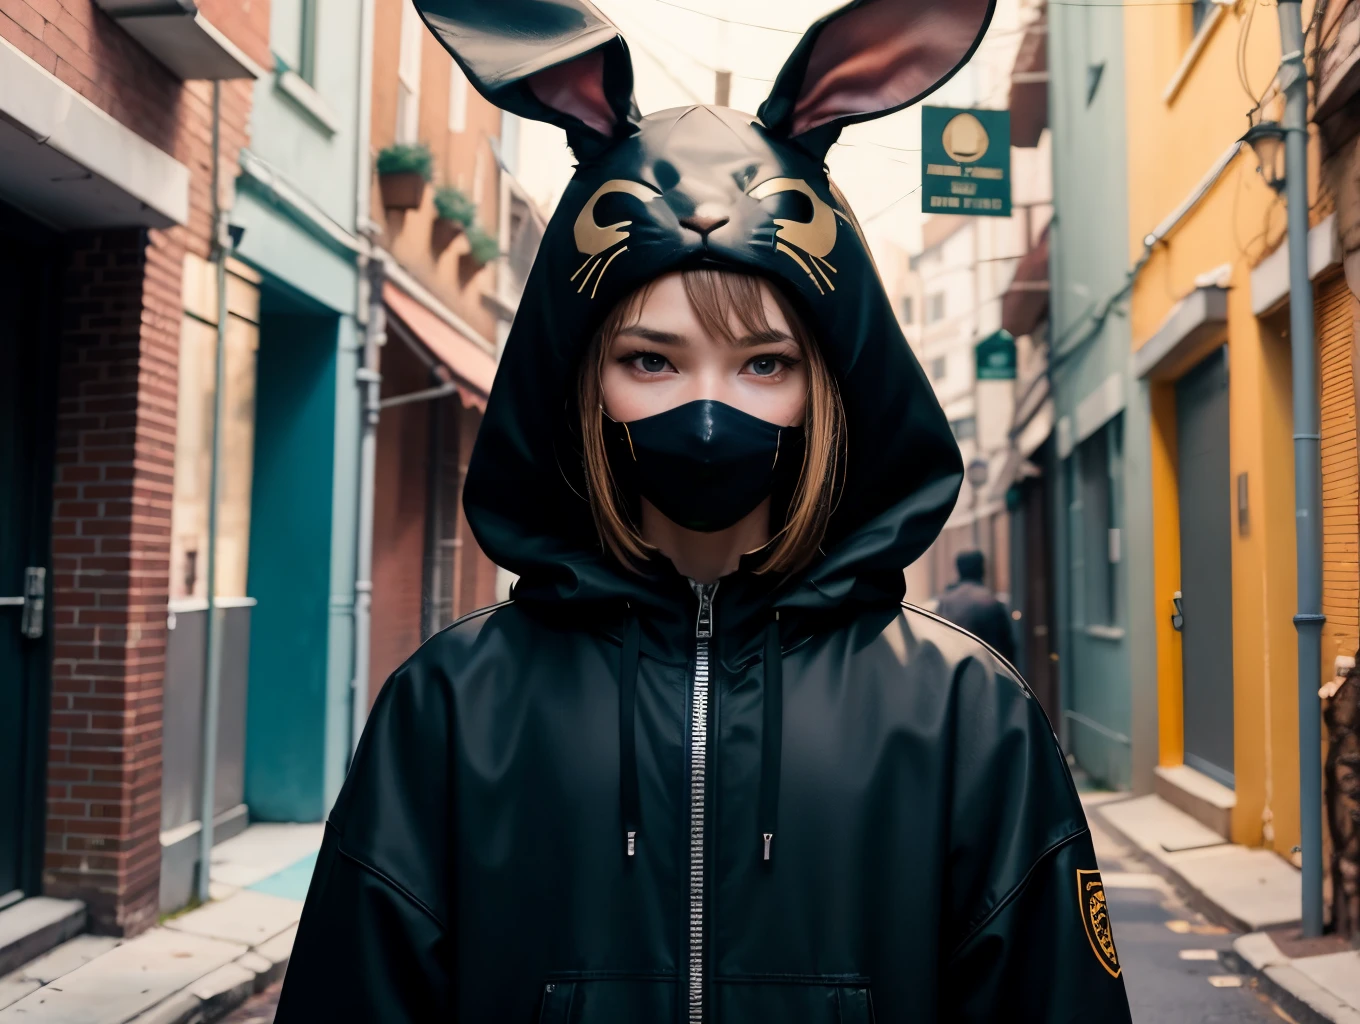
{"type": "Point", "coordinates": [650, 362]}
{"type": "Point", "coordinates": [764, 366]}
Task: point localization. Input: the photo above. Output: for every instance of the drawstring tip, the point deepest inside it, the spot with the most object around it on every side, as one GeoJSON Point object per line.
{"type": "Point", "coordinates": [632, 843]}
{"type": "Point", "coordinates": [769, 837]}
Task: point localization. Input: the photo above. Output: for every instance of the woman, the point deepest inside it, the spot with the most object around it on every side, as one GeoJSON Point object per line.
{"type": "Point", "coordinates": [705, 766]}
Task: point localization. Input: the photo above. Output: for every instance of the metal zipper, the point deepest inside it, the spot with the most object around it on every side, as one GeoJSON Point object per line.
{"type": "Point", "coordinates": [698, 770]}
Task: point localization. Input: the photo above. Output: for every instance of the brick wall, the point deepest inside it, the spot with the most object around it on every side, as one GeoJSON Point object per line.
{"type": "Point", "coordinates": [111, 548]}
{"type": "Point", "coordinates": [1336, 334]}
{"type": "Point", "coordinates": [116, 425]}
{"type": "Point", "coordinates": [461, 159]}
{"type": "Point", "coordinates": [400, 506]}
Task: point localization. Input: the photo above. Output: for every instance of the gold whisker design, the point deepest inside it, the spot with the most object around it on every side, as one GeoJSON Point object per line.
{"type": "Point", "coordinates": [824, 261]}
{"type": "Point", "coordinates": [579, 269]}
{"type": "Point", "coordinates": [601, 278]}
{"type": "Point", "coordinates": [819, 270]}
{"type": "Point", "coordinates": [781, 247]}
{"type": "Point", "coordinates": [586, 280]}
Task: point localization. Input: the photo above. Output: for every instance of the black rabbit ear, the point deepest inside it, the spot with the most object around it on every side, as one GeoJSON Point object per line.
{"type": "Point", "coordinates": [559, 61]}
{"type": "Point", "coordinates": [870, 58]}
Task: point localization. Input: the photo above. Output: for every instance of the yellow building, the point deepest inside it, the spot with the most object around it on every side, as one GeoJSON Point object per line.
{"type": "Point", "coordinates": [1209, 322]}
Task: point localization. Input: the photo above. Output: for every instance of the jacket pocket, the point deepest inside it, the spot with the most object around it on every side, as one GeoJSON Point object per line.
{"type": "Point", "coordinates": [583, 999]}
{"type": "Point", "coordinates": [807, 1000]}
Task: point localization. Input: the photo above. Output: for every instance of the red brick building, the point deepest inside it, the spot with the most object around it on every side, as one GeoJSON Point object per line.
{"type": "Point", "coordinates": [446, 316]}
{"type": "Point", "coordinates": [105, 185]}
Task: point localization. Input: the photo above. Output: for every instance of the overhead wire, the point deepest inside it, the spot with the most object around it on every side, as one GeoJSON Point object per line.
{"type": "Point", "coordinates": [730, 21]}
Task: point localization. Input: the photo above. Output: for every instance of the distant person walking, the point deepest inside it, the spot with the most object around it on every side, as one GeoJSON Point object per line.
{"type": "Point", "coordinates": [971, 604]}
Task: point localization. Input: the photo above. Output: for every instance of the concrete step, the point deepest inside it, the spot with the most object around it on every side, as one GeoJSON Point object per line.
{"type": "Point", "coordinates": [1207, 801]}
{"type": "Point", "coordinates": [33, 926]}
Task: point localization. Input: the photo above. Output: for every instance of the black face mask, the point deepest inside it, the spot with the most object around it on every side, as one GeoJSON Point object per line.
{"type": "Point", "coordinates": [705, 465]}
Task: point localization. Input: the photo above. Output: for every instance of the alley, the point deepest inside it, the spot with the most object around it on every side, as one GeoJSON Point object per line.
{"type": "Point", "coordinates": [1171, 955]}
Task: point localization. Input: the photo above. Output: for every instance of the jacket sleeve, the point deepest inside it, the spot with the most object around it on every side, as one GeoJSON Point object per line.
{"type": "Point", "coordinates": [374, 943]}
{"type": "Point", "coordinates": [1029, 937]}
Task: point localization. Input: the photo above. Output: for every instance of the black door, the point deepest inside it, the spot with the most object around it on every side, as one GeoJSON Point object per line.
{"type": "Point", "coordinates": [1206, 566]}
{"type": "Point", "coordinates": [27, 361]}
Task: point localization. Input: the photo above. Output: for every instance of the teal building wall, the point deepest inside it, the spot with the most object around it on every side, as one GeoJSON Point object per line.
{"type": "Point", "coordinates": [1089, 361]}
{"type": "Point", "coordinates": [296, 198]}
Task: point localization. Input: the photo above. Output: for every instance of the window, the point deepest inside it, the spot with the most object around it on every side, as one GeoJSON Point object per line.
{"type": "Point", "coordinates": [458, 98]}
{"type": "Point", "coordinates": [965, 429]}
{"type": "Point", "coordinates": [1098, 460]}
{"type": "Point", "coordinates": [939, 368]}
{"type": "Point", "coordinates": [408, 76]}
{"type": "Point", "coordinates": [906, 310]}
{"type": "Point", "coordinates": [935, 308]}
{"type": "Point", "coordinates": [193, 439]}
{"type": "Point", "coordinates": [293, 36]}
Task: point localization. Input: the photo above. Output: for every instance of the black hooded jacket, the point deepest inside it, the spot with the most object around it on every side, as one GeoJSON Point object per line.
{"type": "Point", "coordinates": [620, 798]}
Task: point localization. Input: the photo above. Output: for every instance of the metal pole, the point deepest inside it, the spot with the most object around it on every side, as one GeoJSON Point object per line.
{"type": "Point", "coordinates": [213, 657]}
{"type": "Point", "coordinates": [1307, 462]}
{"type": "Point", "coordinates": [370, 380]}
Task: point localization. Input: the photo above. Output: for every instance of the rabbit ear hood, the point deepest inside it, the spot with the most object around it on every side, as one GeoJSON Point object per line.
{"type": "Point", "coordinates": [618, 226]}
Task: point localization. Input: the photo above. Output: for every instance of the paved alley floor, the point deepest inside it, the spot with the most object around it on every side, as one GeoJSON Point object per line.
{"type": "Point", "coordinates": [1172, 956]}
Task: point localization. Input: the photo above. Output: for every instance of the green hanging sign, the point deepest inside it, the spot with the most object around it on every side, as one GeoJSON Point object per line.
{"type": "Point", "coordinates": [966, 161]}
{"type": "Point", "coordinates": [996, 356]}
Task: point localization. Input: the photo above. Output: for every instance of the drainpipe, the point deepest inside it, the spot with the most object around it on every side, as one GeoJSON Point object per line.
{"type": "Point", "coordinates": [369, 380]}
{"type": "Point", "coordinates": [213, 657]}
{"type": "Point", "coordinates": [1307, 463]}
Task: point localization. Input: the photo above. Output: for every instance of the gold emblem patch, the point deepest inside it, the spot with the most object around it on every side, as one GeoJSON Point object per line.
{"type": "Point", "coordinates": [1095, 917]}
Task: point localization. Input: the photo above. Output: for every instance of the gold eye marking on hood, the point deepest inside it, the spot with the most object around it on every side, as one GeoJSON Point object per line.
{"type": "Point", "coordinates": [593, 239]}
{"type": "Point", "coordinates": [816, 237]}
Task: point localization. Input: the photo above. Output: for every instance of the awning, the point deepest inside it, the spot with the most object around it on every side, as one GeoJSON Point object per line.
{"type": "Point", "coordinates": [472, 367]}
{"type": "Point", "coordinates": [1029, 86]}
{"type": "Point", "coordinates": [1024, 306]}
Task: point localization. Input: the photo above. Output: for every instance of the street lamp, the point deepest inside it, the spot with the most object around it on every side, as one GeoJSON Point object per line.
{"type": "Point", "coordinates": [1266, 138]}
{"type": "Point", "coordinates": [976, 475]}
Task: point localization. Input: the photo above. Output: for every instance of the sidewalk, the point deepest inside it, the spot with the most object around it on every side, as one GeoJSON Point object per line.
{"type": "Point", "coordinates": [195, 966]}
{"type": "Point", "coordinates": [1250, 890]}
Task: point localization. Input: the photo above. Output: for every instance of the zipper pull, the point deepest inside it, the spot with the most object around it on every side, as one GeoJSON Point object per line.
{"type": "Point", "coordinates": [632, 843]}
{"type": "Point", "coordinates": [703, 626]}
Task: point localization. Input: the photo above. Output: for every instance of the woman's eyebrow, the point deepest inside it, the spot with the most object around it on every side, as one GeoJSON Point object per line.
{"type": "Point", "coordinates": [766, 337]}
{"type": "Point", "coordinates": [653, 335]}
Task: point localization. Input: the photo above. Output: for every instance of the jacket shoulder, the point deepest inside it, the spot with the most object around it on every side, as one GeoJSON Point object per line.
{"type": "Point", "coordinates": [459, 636]}
{"type": "Point", "coordinates": [957, 643]}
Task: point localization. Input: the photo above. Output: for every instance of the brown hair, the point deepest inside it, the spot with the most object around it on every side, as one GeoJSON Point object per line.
{"type": "Point", "coordinates": [713, 294]}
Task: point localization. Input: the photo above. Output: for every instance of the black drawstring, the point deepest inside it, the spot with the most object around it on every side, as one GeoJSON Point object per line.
{"type": "Point", "coordinates": [628, 773]}
{"type": "Point", "coordinates": [771, 736]}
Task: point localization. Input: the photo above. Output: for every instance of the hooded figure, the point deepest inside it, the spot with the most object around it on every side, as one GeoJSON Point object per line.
{"type": "Point", "coordinates": [970, 604]}
{"type": "Point", "coordinates": [783, 795]}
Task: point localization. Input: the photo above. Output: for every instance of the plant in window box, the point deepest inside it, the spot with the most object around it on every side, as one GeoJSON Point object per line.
{"type": "Point", "coordinates": [454, 214]}
{"type": "Point", "coordinates": [482, 247]}
{"type": "Point", "coordinates": [403, 172]}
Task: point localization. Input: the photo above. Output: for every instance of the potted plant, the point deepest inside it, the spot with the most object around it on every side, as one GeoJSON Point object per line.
{"type": "Point", "coordinates": [454, 214]}
{"type": "Point", "coordinates": [403, 172]}
{"type": "Point", "coordinates": [482, 247]}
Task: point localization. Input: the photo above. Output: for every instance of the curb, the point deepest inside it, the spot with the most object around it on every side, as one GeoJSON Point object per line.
{"type": "Point", "coordinates": [215, 995]}
{"type": "Point", "coordinates": [1301, 997]}
{"type": "Point", "coordinates": [1186, 890]}
{"type": "Point", "coordinates": [1253, 954]}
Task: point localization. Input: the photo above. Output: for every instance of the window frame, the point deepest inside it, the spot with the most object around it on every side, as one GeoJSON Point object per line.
{"type": "Point", "coordinates": [408, 76]}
